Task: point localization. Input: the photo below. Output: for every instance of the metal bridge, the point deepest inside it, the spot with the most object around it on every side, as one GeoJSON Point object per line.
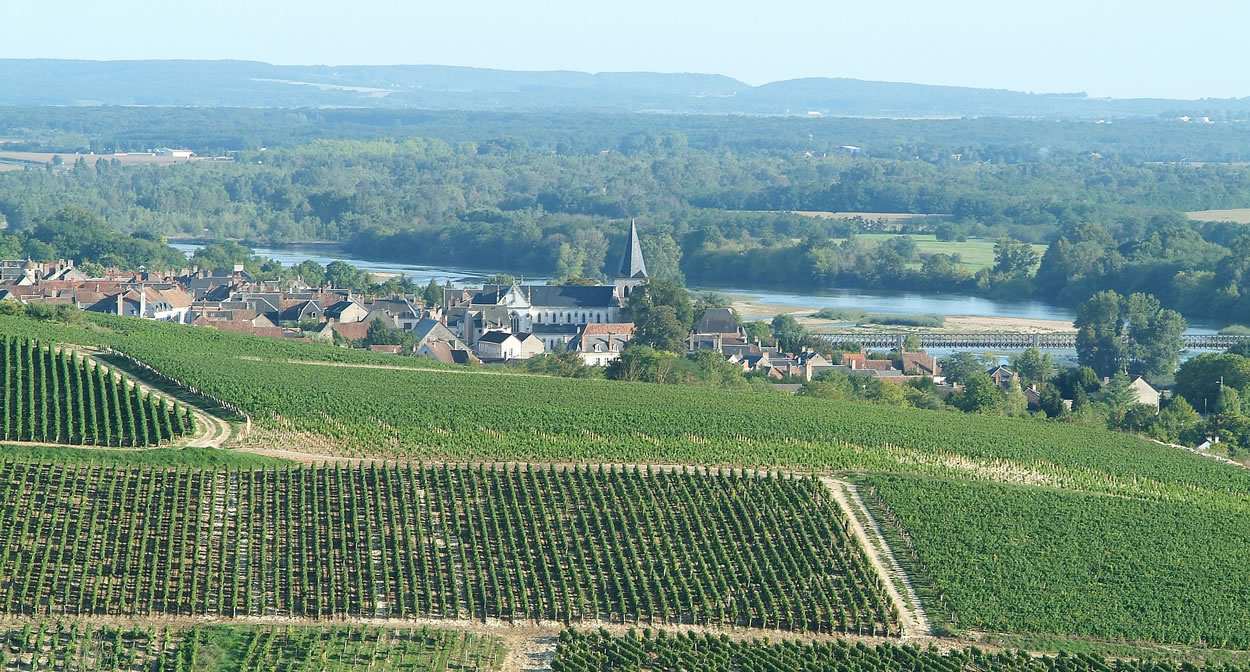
{"type": "Point", "coordinates": [1051, 341]}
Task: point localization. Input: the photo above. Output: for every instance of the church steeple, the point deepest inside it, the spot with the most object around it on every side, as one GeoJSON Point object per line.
{"type": "Point", "coordinates": [632, 264]}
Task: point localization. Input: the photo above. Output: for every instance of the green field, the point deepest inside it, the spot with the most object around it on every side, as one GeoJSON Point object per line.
{"type": "Point", "coordinates": [479, 543]}
{"type": "Point", "coordinates": [660, 652]}
{"type": "Point", "coordinates": [476, 416]}
{"type": "Point", "coordinates": [48, 645]}
{"type": "Point", "coordinates": [1039, 560]}
{"type": "Point", "coordinates": [48, 394]}
{"type": "Point", "coordinates": [975, 253]}
{"type": "Point", "coordinates": [1021, 526]}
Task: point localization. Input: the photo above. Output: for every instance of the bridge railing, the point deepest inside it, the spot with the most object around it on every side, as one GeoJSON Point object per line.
{"type": "Point", "coordinates": [1065, 340]}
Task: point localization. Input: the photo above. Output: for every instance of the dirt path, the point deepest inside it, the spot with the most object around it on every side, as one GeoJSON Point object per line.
{"type": "Point", "coordinates": [211, 431]}
{"type": "Point", "coordinates": [912, 618]}
{"type": "Point", "coordinates": [392, 367]}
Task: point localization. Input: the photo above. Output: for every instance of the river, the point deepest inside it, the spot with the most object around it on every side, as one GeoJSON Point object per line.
{"type": "Point", "coordinates": [868, 300]}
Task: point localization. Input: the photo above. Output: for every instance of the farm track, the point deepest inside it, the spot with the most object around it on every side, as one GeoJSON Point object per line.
{"type": "Point", "coordinates": [389, 367]}
{"type": "Point", "coordinates": [914, 621]}
{"type": "Point", "coordinates": [212, 431]}
{"type": "Point", "coordinates": [530, 644]}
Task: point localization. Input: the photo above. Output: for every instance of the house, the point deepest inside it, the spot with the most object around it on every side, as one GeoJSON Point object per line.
{"type": "Point", "coordinates": [1145, 393]}
{"type": "Point", "coordinates": [601, 343]}
{"type": "Point", "coordinates": [501, 345]}
{"type": "Point", "coordinates": [388, 349]}
{"type": "Point", "coordinates": [717, 330]}
{"type": "Point", "coordinates": [444, 352]}
{"type": "Point", "coordinates": [346, 310]}
{"type": "Point", "coordinates": [1002, 376]}
{"type": "Point", "coordinates": [918, 364]}
{"type": "Point", "coordinates": [430, 330]}
{"type": "Point", "coordinates": [300, 311]}
{"type": "Point", "coordinates": [352, 331]}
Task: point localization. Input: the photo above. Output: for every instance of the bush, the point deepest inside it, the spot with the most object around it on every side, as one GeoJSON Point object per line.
{"type": "Point", "coordinates": [839, 314]}
{"type": "Point", "coordinates": [904, 320]}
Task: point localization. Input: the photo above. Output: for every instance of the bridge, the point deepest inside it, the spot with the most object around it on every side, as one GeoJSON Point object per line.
{"type": "Point", "coordinates": [1051, 341]}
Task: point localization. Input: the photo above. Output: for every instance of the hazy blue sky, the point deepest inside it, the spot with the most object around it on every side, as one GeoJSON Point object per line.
{"type": "Point", "coordinates": [1105, 47]}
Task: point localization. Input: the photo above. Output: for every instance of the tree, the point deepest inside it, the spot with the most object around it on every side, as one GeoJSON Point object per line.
{"type": "Point", "coordinates": [961, 366]}
{"type": "Point", "coordinates": [380, 333]}
{"type": "Point", "coordinates": [312, 273]}
{"type": "Point", "coordinates": [1175, 421]}
{"type": "Point", "coordinates": [1015, 403]}
{"type": "Point", "coordinates": [1201, 378]}
{"type": "Point", "coordinates": [1099, 333]}
{"type": "Point", "coordinates": [1014, 258]}
{"type": "Point", "coordinates": [661, 292]}
{"type": "Point", "coordinates": [1118, 392]}
{"type": "Point", "coordinates": [911, 343]}
{"type": "Point", "coordinates": [342, 275]}
{"type": "Point", "coordinates": [1034, 366]}
{"type": "Point", "coordinates": [1156, 336]}
{"type": "Point", "coordinates": [660, 329]}
{"type": "Point", "coordinates": [757, 331]}
{"type": "Point", "coordinates": [1227, 402]}
{"type": "Point", "coordinates": [500, 279]}
{"type": "Point", "coordinates": [1051, 401]}
{"type": "Point", "coordinates": [829, 385]}
{"type": "Point", "coordinates": [788, 332]}
{"type": "Point", "coordinates": [432, 295]}
{"type": "Point", "coordinates": [980, 395]}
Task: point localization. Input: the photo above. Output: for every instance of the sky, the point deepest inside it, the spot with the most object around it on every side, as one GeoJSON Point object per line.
{"type": "Point", "coordinates": [1113, 48]}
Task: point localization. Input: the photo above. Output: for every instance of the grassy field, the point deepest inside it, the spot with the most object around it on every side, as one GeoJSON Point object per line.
{"type": "Point", "coordinates": [1239, 215]}
{"type": "Point", "coordinates": [975, 253]}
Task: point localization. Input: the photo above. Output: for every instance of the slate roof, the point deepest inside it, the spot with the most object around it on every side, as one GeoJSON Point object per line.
{"type": "Point", "coordinates": [717, 321]}
{"type": "Point", "coordinates": [495, 337]}
{"type": "Point", "coordinates": [337, 309]}
{"type": "Point", "coordinates": [552, 296]}
{"type": "Point", "coordinates": [632, 264]}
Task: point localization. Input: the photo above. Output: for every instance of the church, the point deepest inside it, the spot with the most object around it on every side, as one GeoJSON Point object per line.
{"type": "Point", "coordinates": [552, 313]}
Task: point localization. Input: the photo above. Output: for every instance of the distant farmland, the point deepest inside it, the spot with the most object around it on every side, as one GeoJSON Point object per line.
{"type": "Point", "coordinates": [9, 159]}
{"type": "Point", "coordinates": [1239, 215]}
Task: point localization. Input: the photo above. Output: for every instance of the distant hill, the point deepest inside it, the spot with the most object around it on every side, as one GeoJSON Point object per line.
{"type": "Point", "coordinates": [254, 84]}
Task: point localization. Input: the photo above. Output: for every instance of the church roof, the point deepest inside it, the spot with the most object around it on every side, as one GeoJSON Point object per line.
{"type": "Point", "coordinates": [632, 265]}
{"type": "Point", "coordinates": [551, 296]}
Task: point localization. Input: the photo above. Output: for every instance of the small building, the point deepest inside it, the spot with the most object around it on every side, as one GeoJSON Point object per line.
{"type": "Point", "coordinates": [174, 153]}
{"type": "Point", "coordinates": [600, 344]}
{"type": "Point", "coordinates": [1146, 394]}
{"type": "Point", "coordinates": [502, 346]}
{"type": "Point", "coordinates": [445, 352]}
{"type": "Point", "coordinates": [1002, 376]}
{"type": "Point", "coordinates": [346, 310]}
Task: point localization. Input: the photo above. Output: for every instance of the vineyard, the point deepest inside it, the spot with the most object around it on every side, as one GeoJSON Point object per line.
{"type": "Point", "coordinates": [1023, 559]}
{"type": "Point", "coordinates": [458, 543]}
{"type": "Point", "coordinates": [50, 395]}
{"type": "Point", "coordinates": [461, 415]}
{"type": "Point", "coordinates": [81, 647]}
{"type": "Point", "coordinates": [648, 652]}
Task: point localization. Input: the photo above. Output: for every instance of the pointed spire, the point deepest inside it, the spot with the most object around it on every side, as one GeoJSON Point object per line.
{"type": "Point", "coordinates": [632, 265]}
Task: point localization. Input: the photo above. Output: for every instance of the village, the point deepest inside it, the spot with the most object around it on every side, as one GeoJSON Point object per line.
{"type": "Point", "coordinates": [494, 323]}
